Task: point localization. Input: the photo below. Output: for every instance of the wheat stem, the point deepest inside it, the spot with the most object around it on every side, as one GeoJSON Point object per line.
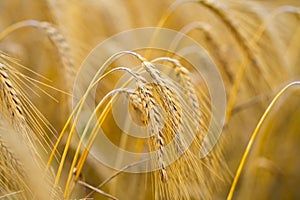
{"type": "Point", "coordinates": [96, 190]}
{"type": "Point", "coordinates": [58, 40]}
{"type": "Point", "coordinates": [254, 136]}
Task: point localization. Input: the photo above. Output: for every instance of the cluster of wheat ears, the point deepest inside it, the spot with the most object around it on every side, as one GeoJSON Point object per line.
{"type": "Point", "coordinates": [45, 153]}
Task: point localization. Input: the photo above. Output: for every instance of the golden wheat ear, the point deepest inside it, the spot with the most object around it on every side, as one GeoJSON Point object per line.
{"type": "Point", "coordinates": [58, 40]}
{"type": "Point", "coordinates": [249, 54]}
{"type": "Point", "coordinates": [214, 46]}
{"type": "Point", "coordinates": [21, 171]}
{"type": "Point", "coordinates": [18, 110]}
{"type": "Point", "coordinates": [189, 176]}
{"type": "Point", "coordinates": [13, 109]}
{"type": "Point", "coordinates": [24, 141]}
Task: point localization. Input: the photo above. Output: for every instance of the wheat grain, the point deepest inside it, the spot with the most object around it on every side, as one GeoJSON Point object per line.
{"type": "Point", "coordinates": [206, 29]}
{"type": "Point", "coordinates": [58, 40]}
{"type": "Point", "coordinates": [144, 100]}
{"type": "Point", "coordinates": [211, 5]}
{"type": "Point", "coordinates": [11, 105]}
{"type": "Point", "coordinates": [219, 12]}
{"type": "Point", "coordinates": [19, 172]}
{"type": "Point", "coordinates": [183, 75]}
{"type": "Point", "coordinates": [63, 50]}
{"type": "Point", "coordinates": [169, 177]}
{"type": "Point", "coordinates": [17, 116]}
{"type": "Point", "coordinates": [11, 170]}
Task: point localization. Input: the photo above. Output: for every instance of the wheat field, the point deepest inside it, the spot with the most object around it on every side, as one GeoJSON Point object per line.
{"type": "Point", "coordinates": [186, 99]}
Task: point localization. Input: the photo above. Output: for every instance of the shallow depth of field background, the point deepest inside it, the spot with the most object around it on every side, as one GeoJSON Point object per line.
{"type": "Point", "coordinates": [272, 169]}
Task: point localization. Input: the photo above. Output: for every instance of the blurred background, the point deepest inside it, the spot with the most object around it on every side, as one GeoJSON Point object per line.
{"type": "Point", "coordinates": [254, 44]}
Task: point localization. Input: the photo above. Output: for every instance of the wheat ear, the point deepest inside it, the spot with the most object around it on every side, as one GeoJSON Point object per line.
{"type": "Point", "coordinates": [58, 40]}
{"type": "Point", "coordinates": [144, 100]}
{"type": "Point", "coordinates": [22, 170]}
{"type": "Point", "coordinates": [206, 29]}
{"type": "Point", "coordinates": [12, 106]}
{"type": "Point", "coordinates": [17, 114]}
{"type": "Point", "coordinates": [11, 170]}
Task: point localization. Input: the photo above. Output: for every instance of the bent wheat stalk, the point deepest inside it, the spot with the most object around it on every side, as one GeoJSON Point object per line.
{"type": "Point", "coordinates": [246, 46]}
{"type": "Point", "coordinates": [13, 108]}
{"type": "Point", "coordinates": [253, 44]}
{"type": "Point", "coordinates": [23, 113]}
{"type": "Point", "coordinates": [148, 95]}
{"type": "Point", "coordinates": [212, 6]}
{"type": "Point", "coordinates": [255, 134]}
{"type": "Point", "coordinates": [206, 29]}
{"type": "Point", "coordinates": [21, 175]}
{"type": "Point", "coordinates": [75, 114]}
{"type": "Point", "coordinates": [58, 40]}
{"type": "Point", "coordinates": [18, 115]}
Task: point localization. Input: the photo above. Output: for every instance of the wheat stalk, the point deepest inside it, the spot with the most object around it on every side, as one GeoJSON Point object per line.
{"type": "Point", "coordinates": [253, 44]}
{"type": "Point", "coordinates": [12, 106]}
{"type": "Point", "coordinates": [207, 30]}
{"type": "Point", "coordinates": [217, 10]}
{"type": "Point", "coordinates": [144, 100]}
{"type": "Point", "coordinates": [232, 27]}
{"type": "Point", "coordinates": [11, 170]}
{"type": "Point", "coordinates": [171, 108]}
{"type": "Point", "coordinates": [254, 136]}
{"type": "Point", "coordinates": [25, 117]}
{"type": "Point", "coordinates": [249, 56]}
{"type": "Point", "coordinates": [21, 175]}
{"type": "Point", "coordinates": [78, 164]}
{"type": "Point", "coordinates": [185, 82]}
{"type": "Point", "coordinates": [17, 114]}
{"type": "Point", "coordinates": [63, 50]}
{"type": "Point", "coordinates": [58, 40]}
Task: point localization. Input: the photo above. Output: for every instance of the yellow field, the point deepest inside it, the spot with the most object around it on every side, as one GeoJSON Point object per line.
{"type": "Point", "coordinates": [187, 99]}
